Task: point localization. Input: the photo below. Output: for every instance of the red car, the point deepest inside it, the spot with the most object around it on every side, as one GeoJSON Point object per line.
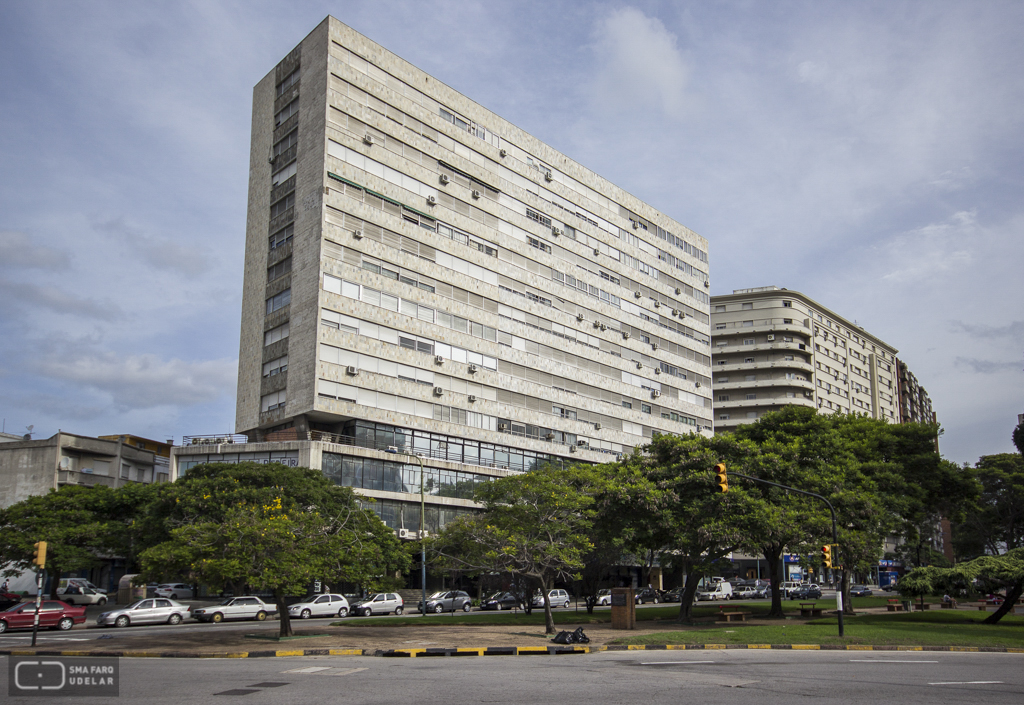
{"type": "Point", "coordinates": [7, 599]}
{"type": "Point", "coordinates": [54, 614]}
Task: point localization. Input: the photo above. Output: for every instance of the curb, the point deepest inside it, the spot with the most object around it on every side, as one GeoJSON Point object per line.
{"type": "Point", "coordinates": [504, 651]}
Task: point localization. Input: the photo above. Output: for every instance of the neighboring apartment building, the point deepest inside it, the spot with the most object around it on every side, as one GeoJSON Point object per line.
{"type": "Point", "coordinates": [774, 347]}
{"type": "Point", "coordinates": [914, 402]}
{"type": "Point", "coordinates": [423, 276]}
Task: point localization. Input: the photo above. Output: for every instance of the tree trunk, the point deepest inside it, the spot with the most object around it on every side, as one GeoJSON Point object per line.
{"type": "Point", "coordinates": [56, 572]}
{"type": "Point", "coordinates": [1013, 594]}
{"type": "Point", "coordinates": [844, 587]}
{"type": "Point", "coordinates": [282, 614]}
{"type": "Point", "coordinates": [773, 557]}
{"type": "Point", "coordinates": [686, 599]}
{"type": "Point", "coordinates": [549, 619]}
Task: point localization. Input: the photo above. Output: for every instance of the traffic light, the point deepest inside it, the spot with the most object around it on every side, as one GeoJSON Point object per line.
{"type": "Point", "coordinates": [39, 554]}
{"type": "Point", "coordinates": [721, 478]}
{"type": "Point", "coordinates": [826, 555]}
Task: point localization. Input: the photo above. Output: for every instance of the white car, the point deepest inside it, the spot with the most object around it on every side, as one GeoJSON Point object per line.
{"type": "Point", "coordinates": [236, 608]}
{"type": "Point", "coordinates": [332, 605]}
{"type": "Point", "coordinates": [65, 583]}
{"type": "Point", "coordinates": [381, 603]}
{"type": "Point", "coordinates": [150, 611]}
{"type": "Point", "coordinates": [175, 591]}
{"type": "Point", "coordinates": [604, 597]}
{"type": "Point", "coordinates": [719, 591]}
{"type": "Point", "coordinates": [78, 595]}
{"type": "Point", "coordinates": [557, 598]}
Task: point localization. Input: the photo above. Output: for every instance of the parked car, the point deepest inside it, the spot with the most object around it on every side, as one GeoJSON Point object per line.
{"type": "Point", "coordinates": [447, 601]}
{"type": "Point", "coordinates": [75, 595]}
{"type": "Point", "coordinates": [604, 597]}
{"type": "Point", "coordinates": [53, 614]}
{"type": "Point", "coordinates": [647, 594]}
{"type": "Point", "coordinates": [500, 601]}
{"type": "Point", "coordinates": [80, 582]}
{"type": "Point", "coordinates": [744, 592]}
{"type": "Point", "coordinates": [805, 592]}
{"type": "Point", "coordinates": [789, 586]}
{"type": "Point", "coordinates": [557, 598]}
{"type": "Point", "coordinates": [8, 600]}
{"type": "Point", "coordinates": [674, 595]}
{"type": "Point", "coordinates": [381, 603]}
{"type": "Point", "coordinates": [236, 608]}
{"type": "Point", "coordinates": [149, 611]}
{"type": "Point", "coordinates": [331, 605]}
{"type": "Point", "coordinates": [891, 587]}
{"type": "Point", "coordinates": [720, 591]}
{"type": "Point", "coordinates": [860, 591]}
{"type": "Point", "coordinates": [175, 591]}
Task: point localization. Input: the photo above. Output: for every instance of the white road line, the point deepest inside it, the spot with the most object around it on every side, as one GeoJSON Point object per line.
{"type": "Point", "coordinates": [873, 660]}
{"type": "Point", "coordinates": [966, 683]}
{"type": "Point", "coordinates": [671, 663]}
{"type": "Point", "coordinates": [309, 669]}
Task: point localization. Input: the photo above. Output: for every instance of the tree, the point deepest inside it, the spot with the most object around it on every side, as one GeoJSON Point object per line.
{"type": "Point", "coordinates": [1018, 437]}
{"type": "Point", "coordinates": [1005, 571]}
{"type": "Point", "coordinates": [996, 522]}
{"type": "Point", "coordinates": [273, 528]}
{"type": "Point", "coordinates": [67, 519]}
{"type": "Point", "coordinates": [535, 525]}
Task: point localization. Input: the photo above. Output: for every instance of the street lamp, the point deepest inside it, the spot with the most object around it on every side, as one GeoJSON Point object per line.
{"type": "Point", "coordinates": [423, 512]}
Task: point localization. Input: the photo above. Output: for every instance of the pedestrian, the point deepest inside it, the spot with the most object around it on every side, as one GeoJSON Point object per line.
{"type": "Point", "coordinates": [7, 584]}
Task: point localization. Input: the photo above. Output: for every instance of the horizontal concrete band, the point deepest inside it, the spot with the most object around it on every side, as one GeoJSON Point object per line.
{"type": "Point", "coordinates": [503, 650]}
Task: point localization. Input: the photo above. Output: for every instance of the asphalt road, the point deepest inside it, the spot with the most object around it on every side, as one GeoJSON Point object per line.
{"type": "Point", "coordinates": [719, 677]}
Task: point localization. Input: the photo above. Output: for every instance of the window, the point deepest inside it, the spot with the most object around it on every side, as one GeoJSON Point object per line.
{"type": "Point", "coordinates": [723, 380]}
{"type": "Point", "coordinates": [748, 341]}
{"type": "Point", "coordinates": [750, 378]}
{"type": "Point", "coordinates": [275, 367]}
{"type": "Point", "coordinates": [723, 417]}
{"type": "Point", "coordinates": [274, 400]}
{"type": "Point", "coordinates": [275, 334]}
{"type": "Point", "coordinates": [287, 142]}
{"type": "Point", "coordinates": [747, 307]}
{"type": "Point", "coordinates": [787, 321]}
{"type": "Point", "coordinates": [723, 397]}
{"type": "Point", "coordinates": [282, 237]}
{"type": "Point", "coordinates": [747, 324]}
{"type": "Point", "coordinates": [627, 405]}
{"type": "Point", "coordinates": [542, 219]}
{"type": "Point", "coordinates": [751, 396]}
{"type": "Point", "coordinates": [286, 112]}
{"type": "Point", "coordinates": [719, 326]}
{"type": "Point", "coordinates": [283, 205]}
{"type": "Point", "coordinates": [539, 245]}
{"type": "Point", "coordinates": [751, 414]}
{"type": "Point", "coordinates": [646, 408]}
{"type": "Point", "coordinates": [748, 359]}
{"type": "Point", "coordinates": [275, 303]}
{"type": "Point", "coordinates": [719, 309]}
{"type": "Point", "coordinates": [787, 304]}
{"type": "Point", "coordinates": [279, 270]}
{"type": "Point", "coordinates": [287, 82]}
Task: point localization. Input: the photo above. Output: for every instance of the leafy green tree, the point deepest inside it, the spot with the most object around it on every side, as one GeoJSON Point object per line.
{"type": "Point", "coordinates": [274, 528]}
{"type": "Point", "coordinates": [996, 522]}
{"type": "Point", "coordinates": [1018, 437]}
{"type": "Point", "coordinates": [67, 519]}
{"type": "Point", "coordinates": [1005, 571]}
{"type": "Point", "coordinates": [535, 525]}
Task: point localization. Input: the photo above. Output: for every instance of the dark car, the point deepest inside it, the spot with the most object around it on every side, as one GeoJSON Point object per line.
{"type": "Point", "coordinates": [8, 600]}
{"type": "Point", "coordinates": [674, 595]}
{"type": "Point", "coordinates": [860, 591]}
{"type": "Point", "coordinates": [500, 601]}
{"type": "Point", "coordinates": [648, 594]}
{"type": "Point", "coordinates": [53, 614]}
{"type": "Point", "coordinates": [805, 592]}
{"type": "Point", "coordinates": [447, 601]}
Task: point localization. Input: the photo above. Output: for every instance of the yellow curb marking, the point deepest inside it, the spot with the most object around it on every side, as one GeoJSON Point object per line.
{"type": "Point", "coordinates": [298, 652]}
{"type": "Point", "coordinates": [532, 649]}
{"type": "Point", "coordinates": [714, 646]}
{"type": "Point", "coordinates": [345, 652]}
{"type": "Point", "coordinates": [75, 653]}
{"type": "Point", "coordinates": [963, 648]}
{"type": "Point", "coordinates": [636, 647]}
{"type": "Point", "coordinates": [759, 646]}
{"type": "Point", "coordinates": [909, 648]}
{"type": "Point", "coordinates": [807, 647]}
{"type": "Point", "coordinates": [676, 647]}
{"type": "Point", "coordinates": [139, 654]}
{"type": "Point", "coordinates": [858, 647]}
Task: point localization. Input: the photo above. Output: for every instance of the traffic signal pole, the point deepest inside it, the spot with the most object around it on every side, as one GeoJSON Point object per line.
{"type": "Point", "coordinates": [835, 533]}
{"type": "Point", "coordinates": [39, 558]}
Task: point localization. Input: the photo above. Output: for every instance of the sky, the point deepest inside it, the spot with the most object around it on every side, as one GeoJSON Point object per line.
{"type": "Point", "coordinates": [867, 154]}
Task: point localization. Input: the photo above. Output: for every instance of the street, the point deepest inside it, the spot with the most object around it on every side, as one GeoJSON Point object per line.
{"type": "Point", "coordinates": [726, 676]}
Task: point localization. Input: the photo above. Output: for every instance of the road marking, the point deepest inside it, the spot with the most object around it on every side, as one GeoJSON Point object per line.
{"type": "Point", "coordinates": [671, 663]}
{"type": "Point", "coordinates": [966, 683]}
{"type": "Point", "coordinates": [878, 660]}
{"type": "Point", "coordinates": [309, 669]}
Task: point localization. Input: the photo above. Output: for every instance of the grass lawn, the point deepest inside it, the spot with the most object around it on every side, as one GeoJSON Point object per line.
{"type": "Point", "coordinates": [947, 628]}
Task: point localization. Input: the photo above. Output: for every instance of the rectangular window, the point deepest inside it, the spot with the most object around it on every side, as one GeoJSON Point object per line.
{"type": "Point", "coordinates": [787, 304]}
{"type": "Point", "coordinates": [287, 82]}
{"type": "Point", "coordinates": [539, 245]}
{"type": "Point", "coordinates": [275, 367]}
{"type": "Point", "coordinates": [751, 396]}
{"type": "Point", "coordinates": [283, 205]}
{"type": "Point", "coordinates": [286, 112]}
{"type": "Point", "coordinates": [723, 397]}
{"type": "Point", "coordinates": [646, 408]}
{"type": "Point", "coordinates": [279, 270]}
{"type": "Point", "coordinates": [274, 400]}
{"type": "Point", "coordinates": [747, 324]}
{"type": "Point", "coordinates": [275, 303]}
{"type": "Point", "coordinates": [751, 378]}
{"type": "Point", "coordinates": [747, 307]}
{"type": "Point", "coordinates": [719, 309]}
{"type": "Point", "coordinates": [538, 217]}
{"type": "Point", "coordinates": [282, 237]}
{"type": "Point", "coordinates": [723, 417]}
{"type": "Point", "coordinates": [286, 142]}
{"type": "Point", "coordinates": [719, 326]}
{"type": "Point", "coordinates": [275, 334]}
{"type": "Point", "coordinates": [748, 359]}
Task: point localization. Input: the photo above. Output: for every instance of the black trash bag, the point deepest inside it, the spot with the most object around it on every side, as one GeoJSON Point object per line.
{"type": "Point", "coordinates": [563, 638]}
{"type": "Point", "coordinates": [579, 637]}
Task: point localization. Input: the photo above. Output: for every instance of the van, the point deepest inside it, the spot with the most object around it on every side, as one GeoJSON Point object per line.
{"type": "Point", "coordinates": [789, 586]}
{"type": "Point", "coordinates": [719, 591]}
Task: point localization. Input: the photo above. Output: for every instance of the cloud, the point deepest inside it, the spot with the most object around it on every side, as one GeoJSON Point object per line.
{"type": "Point", "coordinates": [987, 367]}
{"type": "Point", "coordinates": [640, 66]}
{"type": "Point", "coordinates": [1013, 331]}
{"type": "Point", "coordinates": [143, 381]}
{"type": "Point", "coordinates": [155, 251]}
{"type": "Point", "coordinates": [932, 250]}
{"type": "Point", "coordinates": [21, 294]}
{"type": "Point", "coordinates": [18, 250]}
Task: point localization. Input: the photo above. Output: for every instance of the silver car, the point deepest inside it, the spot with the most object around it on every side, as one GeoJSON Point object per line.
{"type": "Point", "coordinates": [82, 595]}
{"type": "Point", "coordinates": [381, 603]}
{"type": "Point", "coordinates": [320, 606]}
{"type": "Point", "coordinates": [236, 608]}
{"type": "Point", "coordinates": [150, 611]}
{"type": "Point", "coordinates": [174, 591]}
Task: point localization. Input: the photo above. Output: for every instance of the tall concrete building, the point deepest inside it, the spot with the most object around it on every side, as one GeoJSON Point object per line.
{"type": "Point", "coordinates": [774, 347]}
{"type": "Point", "coordinates": [423, 276]}
{"type": "Point", "coordinates": [915, 404]}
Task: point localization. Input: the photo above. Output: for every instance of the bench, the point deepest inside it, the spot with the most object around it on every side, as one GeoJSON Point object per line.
{"type": "Point", "coordinates": [947, 605]}
{"type": "Point", "coordinates": [732, 616]}
{"type": "Point", "coordinates": [809, 609]}
{"type": "Point", "coordinates": [894, 605]}
{"type": "Point", "coordinates": [919, 606]}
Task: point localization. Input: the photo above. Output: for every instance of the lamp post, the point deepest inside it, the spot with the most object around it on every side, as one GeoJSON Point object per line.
{"type": "Point", "coordinates": [423, 512]}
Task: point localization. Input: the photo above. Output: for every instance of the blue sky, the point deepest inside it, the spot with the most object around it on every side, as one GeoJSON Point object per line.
{"type": "Point", "coordinates": [866, 154]}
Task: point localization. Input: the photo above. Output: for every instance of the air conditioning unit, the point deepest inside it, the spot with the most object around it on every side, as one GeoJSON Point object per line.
{"type": "Point", "coordinates": [655, 394]}
{"type": "Point", "coordinates": [597, 426]}
{"type": "Point", "coordinates": [472, 398]}
{"type": "Point", "coordinates": [555, 232]}
{"type": "Point", "coordinates": [357, 234]}
{"type": "Point", "coordinates": [678, 291]}
{"type": "Point", "coordinates": [636, 225]}
{"type": "Point", "coordinates": [675, 312]}
{"type": "Point", "coordinates": [597, 252]}
{"type": "Point", "coordinates": [657, 304]}
{"type": "Point", "coordinates": [472, 368]}
{"type": "Point", "coordinates": [696, 384]}
{"type": "Point", "coordinates": [638, 294]}
{"type": "Point", "coordinates": [572, 449]}
{"type": "Point", "coordinates": [439, 359]}
{"type": "Point", "coordinates": [548, 176]}
{"type": "Point", "coordinates": [503, 427]}
{"type": "Point", "coordinates": [476, 194]}
{"type": "Point", "coordinates": [581, 443]}
{"type": "Point", "coordinates": [431, 200]}
{"type": "Point", "coordinates": [438, 391]}
{"type": "Point", "coordinates": [771, 337]}
{"type": "Point", "coordinates": [604, 327]}
{"type": "Point", "coordinates": [550, 436]}
{"type": "Point", "coordinates": [707, 284]}
{"type": "Point", "coordinates": [368, 139]}
{"type": "Point", "coordinates": [392, 449]}
{"type": "Point", "coordinates": [654, 346]}
{"type": "Point", "coordinates": [657, 370]}
{"type": "Point", "coordinates": [639, 365]}
{"type": "Point", "coordinates": [625, 335]}
{"type": "Point", "coordinates": [445, 179]}
{"type": "Point", "coordinates": [406, 534]}
{"type": "Point", "coordinates": [502, 152]}
{"type": "Point", "coordinates": [580, 317]}
{"type": "Point", "coordinates": [352, 370]}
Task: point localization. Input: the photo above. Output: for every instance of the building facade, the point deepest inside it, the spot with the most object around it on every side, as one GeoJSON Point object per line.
{"type": "Point", "coordinates": [774, 347]}
{"type": "Point", "coordinates": [421, 276]}
{"type": "Point", "coordinates": [915, 404]}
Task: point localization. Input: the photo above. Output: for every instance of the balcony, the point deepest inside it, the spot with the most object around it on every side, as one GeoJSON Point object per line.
{"type": "Point", "coordinates": [763, 365]}
{"type": "Point", "coordinates": [86, 479]}
{"type": "Point", "coordinates": [763, 384]}
{"type": "Point", "coordinates": [759, 347]}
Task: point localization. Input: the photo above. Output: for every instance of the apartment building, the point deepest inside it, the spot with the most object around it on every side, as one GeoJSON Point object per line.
{"type": "Point", "coordinates": [774, 347]}
{"type": "Point", "coordinates": [421, 276]}
{"type": "Point", "coordinates": [915, 404]}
